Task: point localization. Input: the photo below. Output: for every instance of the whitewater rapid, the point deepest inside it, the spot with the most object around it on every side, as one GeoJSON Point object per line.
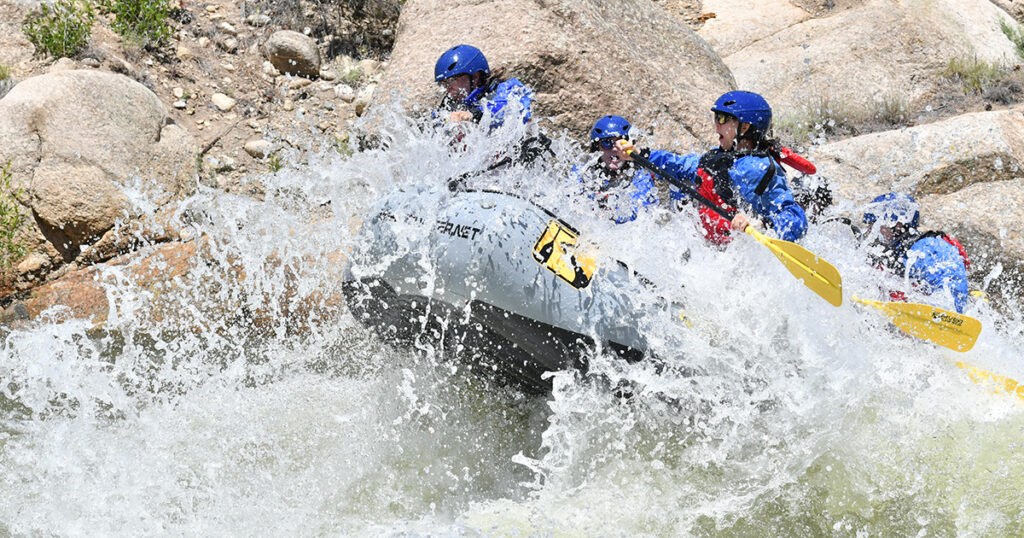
{"type": "Point", "coordinates": [254, 404]}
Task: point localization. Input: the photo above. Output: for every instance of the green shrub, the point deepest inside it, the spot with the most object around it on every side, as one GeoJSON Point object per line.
{"type": "Point", "coordinates": [5, 72]}
{"type": "Point", "coordinates": [140, 20]}
{"type": "Point", "coordinates": [973, 73]}
{"type": "Point", "coordinates": [12, 248]}
{"type": "Point", "coordinates": [61, 29]}
{"type": "Point", "coordinates": [1015, 34]}
{"type": "Point", "coordinates": [891, 109]}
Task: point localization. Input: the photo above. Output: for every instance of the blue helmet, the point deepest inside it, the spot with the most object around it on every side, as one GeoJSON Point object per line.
{"type": "Point", "coordinates": [748, 107]}
{"type": "Point", "coordinates": [460, 60]}
{"type": "Point", "coordinates": [609, 127]}
{"type": "Point", "coordinates": [893, 208]}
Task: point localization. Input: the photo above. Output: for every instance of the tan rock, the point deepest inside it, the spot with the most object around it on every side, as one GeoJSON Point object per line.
{"type": "Point", "coordinates": [940, 157]}
{"type": "Point", "coordinates": [345, 93]}
{"type": "Point", "coordinates": [294, 53]}
{"type": "Point", "coordinates": [580, 56]}
{"type": "Point", "coordinates": [76, 140]}
{"type": "Point", "coordinates": [854, 55]}
{"type": "Point", "coordinates": [222, 102]}
{"type": "Point", "coordinates": [258, 148]}
{"type": "Point", "coordinates": [63, 64]}
{"type": "Point", "coordinates": [184, 53]}
{"type": "Point", "coordinates": [364, 98]}
{"type": "Point", "coordinates": [738, 24]}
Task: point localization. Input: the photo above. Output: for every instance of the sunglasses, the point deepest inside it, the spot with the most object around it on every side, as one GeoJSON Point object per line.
{"type": "Point", "coordinates": [722, 118]}
{"type": "Point", "coordinates": [608, 143]}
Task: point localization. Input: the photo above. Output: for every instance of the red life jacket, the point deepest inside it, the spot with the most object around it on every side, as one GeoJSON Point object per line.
{"type": "Point", "coordinates": [716, 185]}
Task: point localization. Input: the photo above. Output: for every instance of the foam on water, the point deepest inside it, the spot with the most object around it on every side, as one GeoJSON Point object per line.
{"type": "Point", "coordinates": [243, 399]}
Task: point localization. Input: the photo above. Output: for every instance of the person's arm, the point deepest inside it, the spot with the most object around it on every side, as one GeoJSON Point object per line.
{"type": "Point", "coordinates": [937, 265]}
{"type": "Point", "coordinates": [776, 203]}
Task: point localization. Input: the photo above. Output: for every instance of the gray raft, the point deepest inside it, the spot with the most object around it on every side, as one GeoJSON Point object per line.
{"type": "Point", "coordinates": [494, 277]}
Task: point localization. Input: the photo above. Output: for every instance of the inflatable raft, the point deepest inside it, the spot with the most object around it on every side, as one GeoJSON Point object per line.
{"type": "Point", "coordinates": [497, 279]}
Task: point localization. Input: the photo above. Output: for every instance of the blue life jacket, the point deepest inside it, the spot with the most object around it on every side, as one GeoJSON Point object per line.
{"type": "Point", "coordinates": [623, 194]}
{"type": "Point", "coordinates": [932, 263]}
{"type": "Point", "coordinates": [496, 97]}
{"type": "Point", "coordinates": [741, 179]}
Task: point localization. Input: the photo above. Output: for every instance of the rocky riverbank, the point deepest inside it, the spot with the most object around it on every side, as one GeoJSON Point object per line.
{"type": "Point", "coordinates": [922, 96]}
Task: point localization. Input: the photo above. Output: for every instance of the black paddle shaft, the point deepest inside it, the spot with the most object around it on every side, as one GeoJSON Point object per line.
{"type": "Point", "coordinates": [665, 175]}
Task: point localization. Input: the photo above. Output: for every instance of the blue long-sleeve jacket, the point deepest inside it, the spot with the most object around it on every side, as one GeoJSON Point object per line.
{"type": "Point", "coordinates": [496, 98]}
{"type": "Point", "coordinates": [936, 265]}
{"type": "Point", "coordinates": [776, 204]}
{"type": "Point", "coordinates": [625, 200]}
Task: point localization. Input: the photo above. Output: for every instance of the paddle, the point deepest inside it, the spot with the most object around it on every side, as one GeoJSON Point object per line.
{"type": "Point", "coordinates": [1001, 383]}
{"type": "Point", "coordinates": [943, 327]}
{"type": "Point", "coordinates": [817, 274]}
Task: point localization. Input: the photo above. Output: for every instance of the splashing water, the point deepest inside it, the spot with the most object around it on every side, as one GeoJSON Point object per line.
{"type": "Point", "coordinates": [241, 397]}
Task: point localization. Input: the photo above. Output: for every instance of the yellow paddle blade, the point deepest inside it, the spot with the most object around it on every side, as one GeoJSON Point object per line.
{"type": "Point", "coordinates": [999, 383]}
{"type": "Point", "coordinates": [819, 275]}
{"type": "Point", "coordinates": [943, 327]}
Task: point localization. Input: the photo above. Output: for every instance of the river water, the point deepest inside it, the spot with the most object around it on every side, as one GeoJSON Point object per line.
{"type": "Point", "coordinates": [243, 399]}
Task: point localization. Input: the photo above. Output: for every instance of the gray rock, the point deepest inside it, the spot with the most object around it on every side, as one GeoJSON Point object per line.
{"type": "Point", "coordinates": [652, 69]}
{"type": "Point", "coordinates": [76, 139]}
{"type": "Point", "coordinates": [293, 53]}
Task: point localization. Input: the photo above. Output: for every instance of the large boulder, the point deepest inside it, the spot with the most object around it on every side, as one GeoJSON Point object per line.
{"type": "Point", "coordinates": [887, 49]}
{"type": "Point", "coordinates": [583, 58]}
{"type": "Point", "coordinates": [986, 218]}
{"type": "Point", "coordinates": [935, 158]}
{"type": "Point", "coordinates": [88, 148]}
{"type": "Point", "coordinates": [738, 24]}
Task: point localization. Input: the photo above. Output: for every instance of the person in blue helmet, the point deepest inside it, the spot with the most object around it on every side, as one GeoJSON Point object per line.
{"type": "Point", "coordinates": [618, 187]}
{"type": "Point", "coordinates": [471, 91]}
{"type": "Point", "coordinates": [743, 174]}
{"type": "Point", "coordinates": [932, 261]}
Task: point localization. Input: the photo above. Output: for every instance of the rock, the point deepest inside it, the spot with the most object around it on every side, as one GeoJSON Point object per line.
{"type": "Point", "coordinates": [204, 42]}
{"type": "Point", "coordinates": [364, 98]}
{"type": "Point", "coordinates": [178, 92]}
{"type": "Point", "coordinates": [227, 28]}
{"type": "Point", "coordinates": [90, 62]}
{"type": "Point", "coordinates": [985, 218]}
{"type": "Point", "coordinates": [734, 24]}
{"type": "Point", "coordinates": [799, 63]}
{"type": "Point", "coordinates": [288, 105]}
{"type": "Point", "coordinates": [184, 53]}
{"type": "Point", "coordinates": [328, 75]}
{"type": "Point", "coordinates": [345, 93]}
{"type": "Point", "coordinates": [269, 68]}
{"type": "Point", "coordinates": [63, 64]}
{"type": "Point", "coordinates": [936, 158]}
{"type": "Point", "coordinates": [227, 44]}
{"type": "Point", "coordinates": [33, 262]}
{"type": "Point", "coordinates": [76, 139]}
{"type": "Point", "coordinates": [369, 67]}
{"type": "Point", "coordinates": [212, 9]}
{"type": "Point", "coordinates": [258, 148]}
{"type": "Point", "coordinates": [179, 104]}
{"type": "Point", "coordinates": [222, 102]}
{"type": "Point", "coordinates": [257, 20]}
{"type": "Point", "coordinates": [222, 163]}
{"type": "Point", "coordinates": [299, 83]}
{"type": "Point", "coordinates": [579, 57]}
{"type": "Point", "coordinates": [294, 53]}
